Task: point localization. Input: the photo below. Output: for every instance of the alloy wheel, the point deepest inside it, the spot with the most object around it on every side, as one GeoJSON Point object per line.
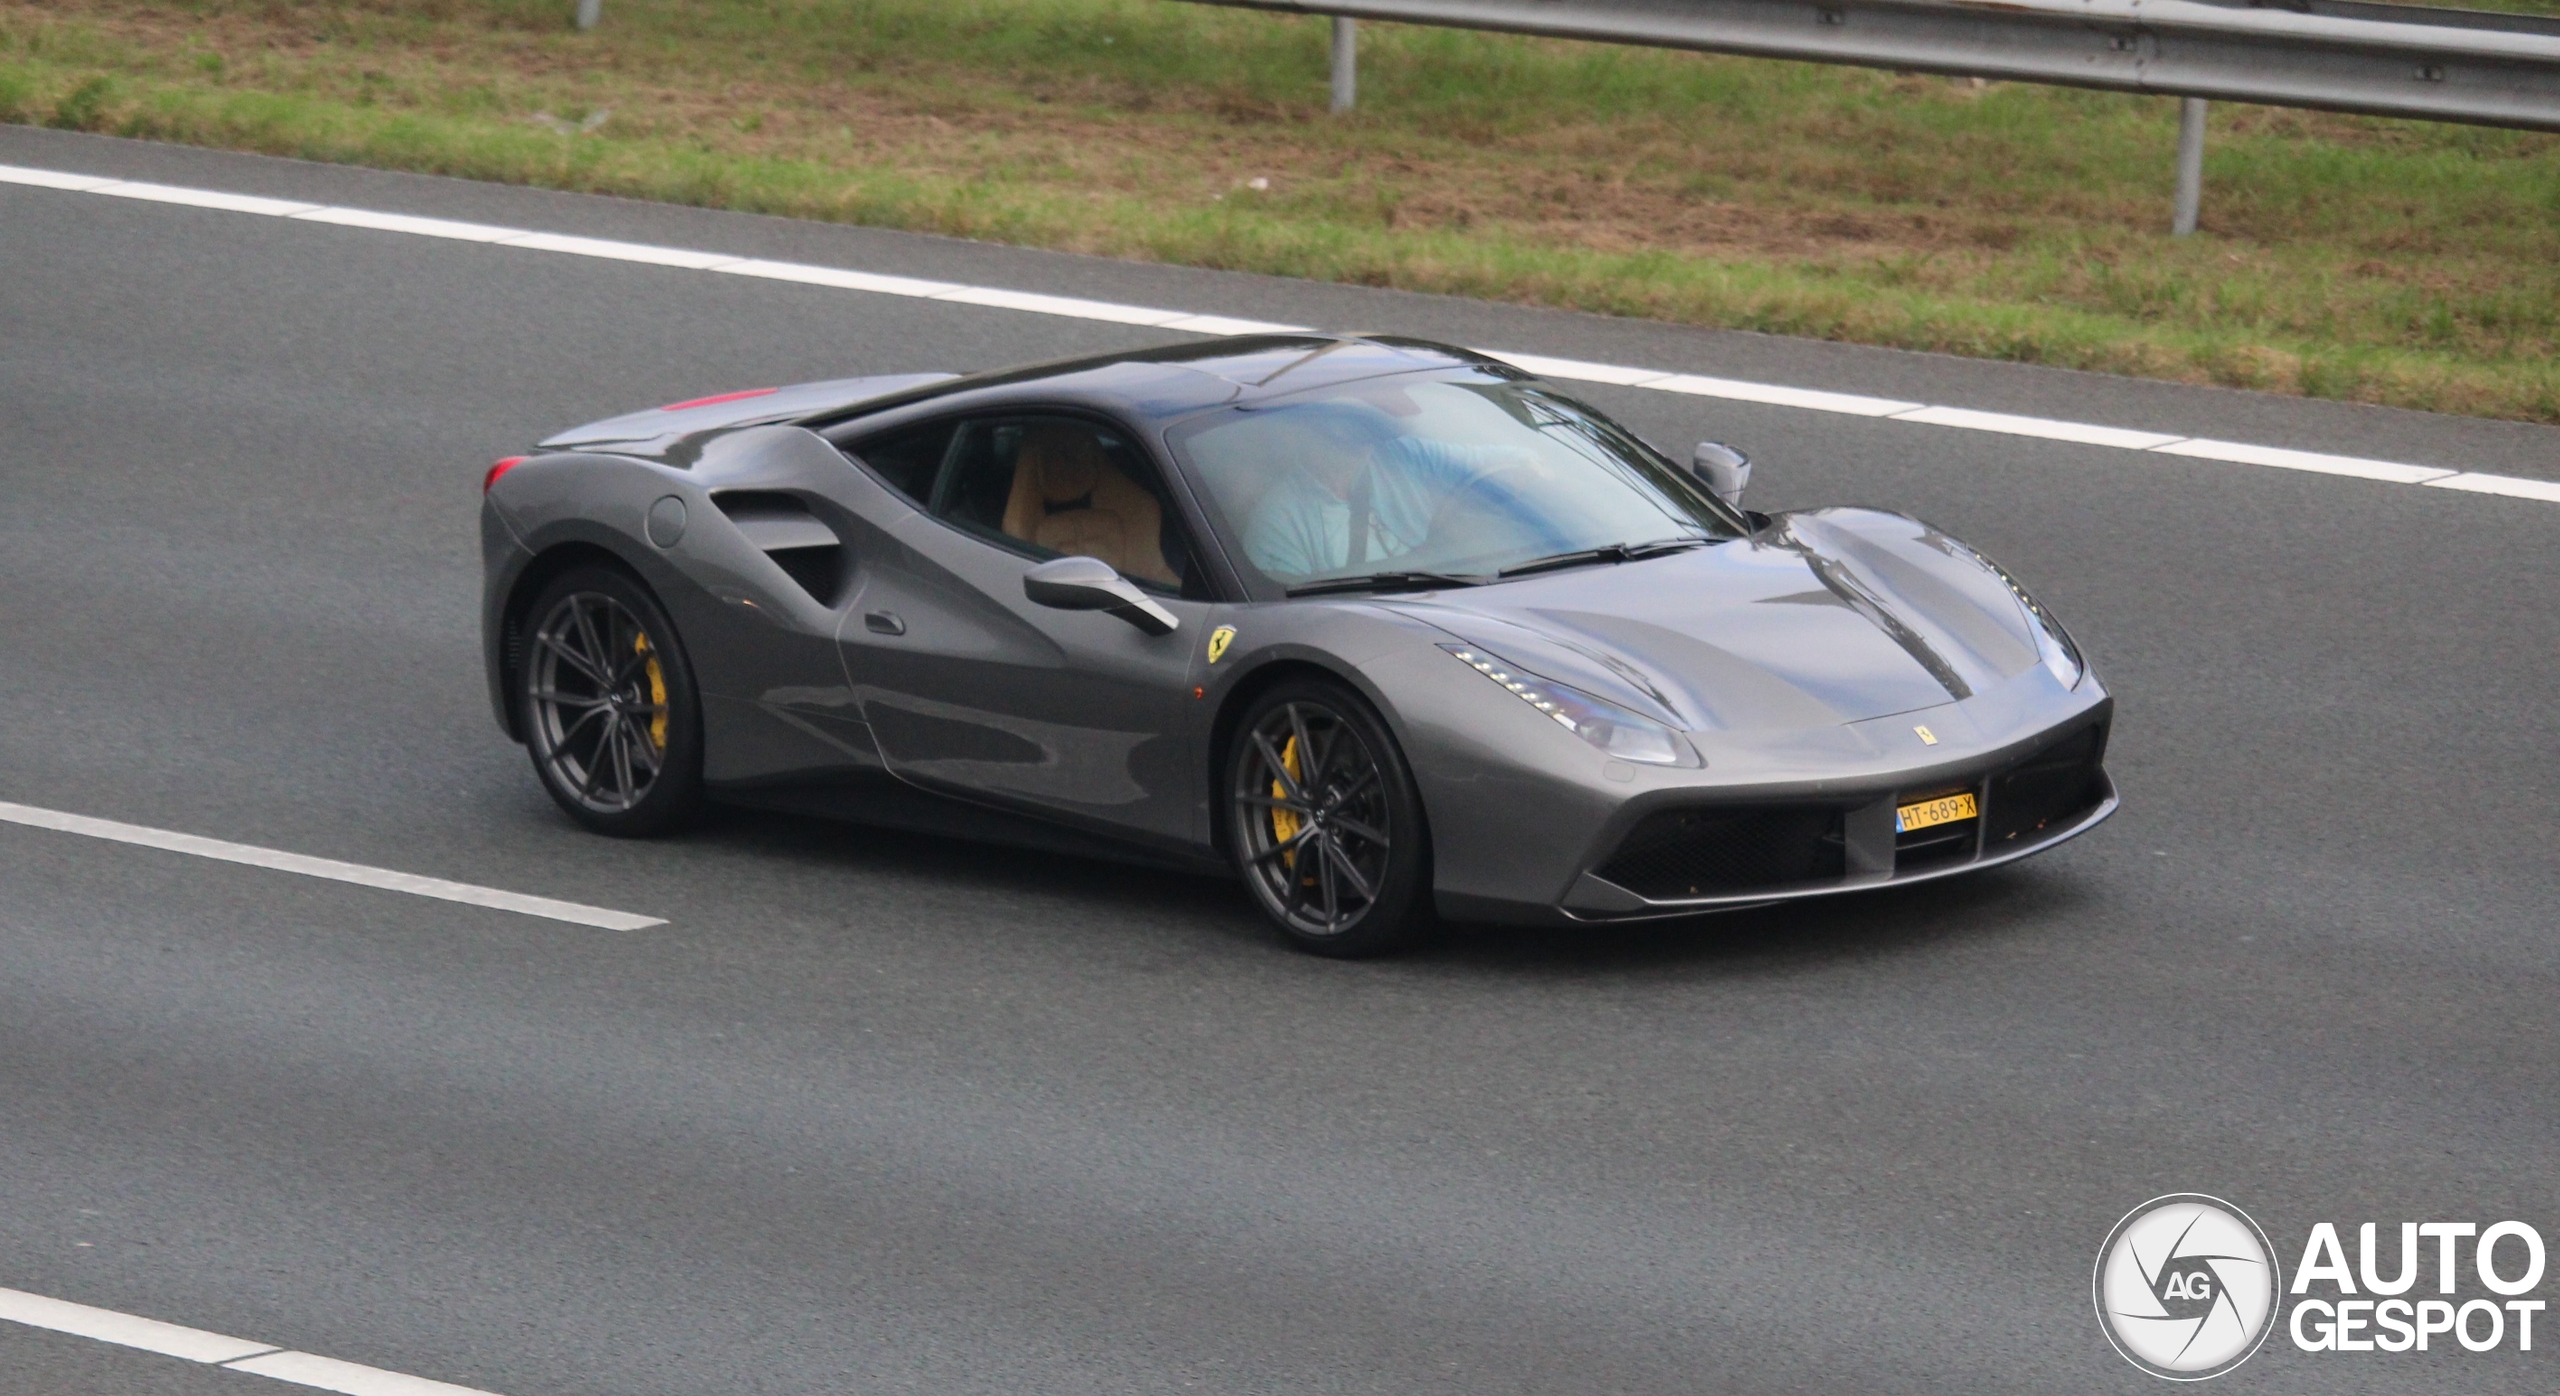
{"type": "Point", "coordinates": [1313, 814]}
{"type": "Point", "coordinates": [597, 696]}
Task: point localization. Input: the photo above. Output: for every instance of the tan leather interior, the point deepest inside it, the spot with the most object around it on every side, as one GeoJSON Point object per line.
{"type": "Point", "coordinates": [1069, 498]}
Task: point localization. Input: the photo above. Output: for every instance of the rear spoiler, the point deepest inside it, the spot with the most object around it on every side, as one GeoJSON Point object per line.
{"type": "Point", "coordinates": [755, 406]}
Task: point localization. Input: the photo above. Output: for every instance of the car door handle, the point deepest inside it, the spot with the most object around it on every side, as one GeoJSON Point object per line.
{"type": "Point", "coordinates": [884, 623]}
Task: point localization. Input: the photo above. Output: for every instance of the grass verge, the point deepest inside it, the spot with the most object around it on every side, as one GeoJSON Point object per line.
{"type": "Point", "coordinates": [2381, 261]}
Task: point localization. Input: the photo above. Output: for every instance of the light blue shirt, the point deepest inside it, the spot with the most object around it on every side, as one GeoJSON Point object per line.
{"type": "Point", "coordinates": [1301, 528]}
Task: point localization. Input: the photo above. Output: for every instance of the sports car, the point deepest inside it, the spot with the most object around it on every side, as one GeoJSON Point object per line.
{"type": "Point", "coordinates": [1391, 630]}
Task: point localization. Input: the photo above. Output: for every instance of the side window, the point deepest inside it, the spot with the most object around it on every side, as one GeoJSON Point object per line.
{"type": "Point", "coordinates": [1055, 486]}
{"type": "Point", "coordinates": [908, 459]}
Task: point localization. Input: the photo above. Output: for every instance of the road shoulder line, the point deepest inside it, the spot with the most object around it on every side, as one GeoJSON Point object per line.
{"type": "Point", "coordinates": [1111, 312]}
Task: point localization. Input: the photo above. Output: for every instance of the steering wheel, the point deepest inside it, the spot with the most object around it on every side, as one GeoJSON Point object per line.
{"type": "Point", "coordinates": [1487, 490]}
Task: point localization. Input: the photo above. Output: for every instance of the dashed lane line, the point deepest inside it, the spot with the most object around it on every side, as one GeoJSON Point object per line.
{"type": "Point", "coordinates": [125, 1330]}
{"type": "Point", "coordinates": [347, 1378]}
{"type": "Point", "coordinates": [217, 1350]}
{"type": "Point", "coordinates": [1071, 307]}
{"type": "Point", "coordinates": [329, 868]}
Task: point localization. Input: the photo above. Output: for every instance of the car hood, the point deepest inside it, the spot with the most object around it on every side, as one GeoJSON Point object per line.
{"type": "Point", "coordinates": [1822, 618]}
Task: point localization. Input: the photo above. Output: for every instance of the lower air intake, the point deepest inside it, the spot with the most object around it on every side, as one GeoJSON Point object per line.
{"type": "Point", "coordinates": [1721, 852]}
{"type": "Point", "coordinates": [2046, 791]}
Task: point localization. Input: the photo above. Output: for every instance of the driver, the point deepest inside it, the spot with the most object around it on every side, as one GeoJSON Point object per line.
{"type": "Point", "coordinates": [1361, 494]}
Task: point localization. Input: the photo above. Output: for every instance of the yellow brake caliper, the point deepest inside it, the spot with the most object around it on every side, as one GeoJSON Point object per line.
{"type": "Point", "coordinates": [657, 691]}
{"type": "Point", "coordinates": [1285, 823]}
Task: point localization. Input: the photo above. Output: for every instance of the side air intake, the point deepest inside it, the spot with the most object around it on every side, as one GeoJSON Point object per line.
{"type": "Point", "coordinates": [803, 546]}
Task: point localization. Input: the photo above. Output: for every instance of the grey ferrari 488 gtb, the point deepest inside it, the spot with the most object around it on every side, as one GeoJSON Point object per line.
{"type": "Point", "coordinates": [1387, 628]}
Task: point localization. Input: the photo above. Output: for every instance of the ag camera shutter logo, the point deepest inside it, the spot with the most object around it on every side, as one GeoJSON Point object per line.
{"type": "Point", "coordinates": [2186, 1286]}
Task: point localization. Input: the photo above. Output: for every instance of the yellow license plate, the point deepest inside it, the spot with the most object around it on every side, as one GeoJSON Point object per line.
{"type": "Point", "coordinates": [1929, 813]}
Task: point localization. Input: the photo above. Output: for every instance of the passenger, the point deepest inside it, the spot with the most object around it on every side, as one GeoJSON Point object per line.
{"type": "Point", "coordinates": [1358, 466]}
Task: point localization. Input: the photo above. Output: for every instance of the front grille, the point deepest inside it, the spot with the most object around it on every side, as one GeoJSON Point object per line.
{"type": "Point", "coordinates": [1721, 852]}
{"type": "Point", "coordinates": [2051, 788]}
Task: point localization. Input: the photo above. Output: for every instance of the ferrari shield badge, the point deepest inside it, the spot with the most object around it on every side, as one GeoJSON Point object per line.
{"type": "Point", "coordinates": [1927, 737]}
{"type": "Point", "coordinates": [1219, 639]}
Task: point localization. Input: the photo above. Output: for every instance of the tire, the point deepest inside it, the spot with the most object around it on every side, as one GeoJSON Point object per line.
{"type": "Point", "coordinates": [608, 705]}
{"type": "Point", "coordinates": [1313, 771]}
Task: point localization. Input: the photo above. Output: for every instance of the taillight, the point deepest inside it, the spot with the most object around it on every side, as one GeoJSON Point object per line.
{"type": "Point", "coordinates": [501, 468]}
{"type": "Point", "coordinates": [719, 397]}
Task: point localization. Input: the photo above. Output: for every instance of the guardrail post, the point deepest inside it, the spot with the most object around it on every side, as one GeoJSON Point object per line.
{"type": "Point", "coordinates": [590, 13]}
{"type": "Point", "coordinates": [2190, 166]}
{"type": "Point", "coordinates": [1346, 63]}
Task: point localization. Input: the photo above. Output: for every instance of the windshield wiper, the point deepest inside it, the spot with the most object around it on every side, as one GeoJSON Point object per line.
{"type": "Point", "coordinates": [1606, 552]}
{"type": "Point", "coordinates": [1387, 581]}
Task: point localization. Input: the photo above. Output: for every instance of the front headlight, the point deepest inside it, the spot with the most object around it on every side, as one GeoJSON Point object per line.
{"type": "Point", "coordinates": [2053, 643]}
{"type": "Point", "coordinates": [1625, 735]}
{"type": "Point", "coordinates": [2061, 657]}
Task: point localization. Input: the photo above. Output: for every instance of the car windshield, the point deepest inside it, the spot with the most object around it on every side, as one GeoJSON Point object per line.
{"type": "Point", "coordinates": [1449, 476]}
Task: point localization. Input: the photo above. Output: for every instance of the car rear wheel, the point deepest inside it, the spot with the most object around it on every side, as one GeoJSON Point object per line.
{"type": "Point", "coordinates": [1325, 824]}
{"type": "Point", "coordinates": [609, 707]}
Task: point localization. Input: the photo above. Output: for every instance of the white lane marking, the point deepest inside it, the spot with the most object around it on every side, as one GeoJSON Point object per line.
{"type": "Point", "coordinates": [837, 277]}
{"type": "Point", "coordinates": [349, 1378]}
{"type": "Point", "coordinates": [124, 1330]}
{"type": "Point", "coordinates": [2044, 427]}
{"type": "Point", "coordinates": [409, 223]}
{"type": "Point", "coordinates": [1778, 395]}
{"type": "Point", "coordinates": [51, 179]}
{"type": "Point", "coordinates": [201, 198]}
{"type": "Point", "coordinates": [1580, 370]}
{"type": "Point", "coordinates": [2242, 453]}
{"type": "Point", "coordinates": [1068, 306]}
{"type": "Point", "coordinates": [1650, 379]}
{"type": "Point", "coordinates": [2501, 484]}
{"type": "Point", "coordinates": [215, 1349]}
{"type": "Point", "coordinates": [1228, 324]}
{"type": "Point", "coordinates": [329, 868]}
{"type": "Point", "coordinates": [684, 257]}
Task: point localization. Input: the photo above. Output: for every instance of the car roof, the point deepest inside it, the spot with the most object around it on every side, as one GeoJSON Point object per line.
{"type": "Point", "coordinates": [1175, 380]}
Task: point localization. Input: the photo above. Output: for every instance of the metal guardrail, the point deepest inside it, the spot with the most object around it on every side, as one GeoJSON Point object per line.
{"type": "Point", "coordinates": [2412, 61]}
{"type": "Point", "coordinates": [2340, 55]}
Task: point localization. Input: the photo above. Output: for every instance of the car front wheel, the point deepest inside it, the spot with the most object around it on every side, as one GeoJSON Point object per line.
{"type": "Point", "coordinates": [1325, 824]}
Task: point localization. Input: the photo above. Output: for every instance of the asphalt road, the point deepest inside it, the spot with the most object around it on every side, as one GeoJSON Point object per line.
{"type": "Point", "coordinates": [883, 1113]}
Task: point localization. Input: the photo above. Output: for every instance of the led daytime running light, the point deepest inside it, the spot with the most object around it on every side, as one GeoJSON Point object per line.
{"type": "Point", "coordinates": [1527, 694]}
{"type": "Point", "coordinates": [1614, 730]}
{"type": "Point", "coordinates": [2053, 644]}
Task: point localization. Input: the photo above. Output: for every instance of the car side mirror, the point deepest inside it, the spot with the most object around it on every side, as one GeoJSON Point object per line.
{"type": "Point", "coordinates": [1722, 469]}
{"type": "Point", "coordinates": [1089, 584]}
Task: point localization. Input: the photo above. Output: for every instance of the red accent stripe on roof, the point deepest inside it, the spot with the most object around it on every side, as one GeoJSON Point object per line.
{"type": "Point", "coordinates": [717, 397]}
